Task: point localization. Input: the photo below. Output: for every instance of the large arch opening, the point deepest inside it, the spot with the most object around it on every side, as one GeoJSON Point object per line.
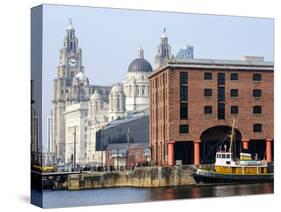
{"type": "Point", "coordinates": [217, 137]}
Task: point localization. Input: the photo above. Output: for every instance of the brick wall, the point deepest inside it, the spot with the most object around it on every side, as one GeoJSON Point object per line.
{"type": "Point", "coordinates": [165, 106]}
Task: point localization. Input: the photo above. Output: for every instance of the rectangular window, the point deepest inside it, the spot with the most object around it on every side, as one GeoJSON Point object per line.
{"type": "Point", "coordinates": [208, 109]}
{"type": "Point", "coordinates": [221, 78]}
{"type": "Point", "coordinates": [234, 76]}
{"type": "Point", "coordinates": [183, 93]}
{"type": "Point", "coordinates": [234, 110]}
{"type": "Point", "coordinates": [257, 128]}
{"type": "Point", "coordinates": [207, 76]}
{"type": "Point", "coordinates": [234, 92]}
{"type": "Point", "coordinates": [221, 94]}
{"type": "Point", "coordinates": [183, 77]}
{"type": "Point", "coordinates": [257, 93]}
{"type": "Point", "coordinates": [257, 109]}
{"type": "Point", "coordinates": [142, 90]}
{"type": "Point", "coordinates": [221, 111]}
{"type": "Point", "coordinates": [184, 128]}
{"type": "Point", "coordinates": [207, 92]}
{"type": "Point", "coordinates": [183, 111]}
{"type": "Point", "coordinates": [257, 77]}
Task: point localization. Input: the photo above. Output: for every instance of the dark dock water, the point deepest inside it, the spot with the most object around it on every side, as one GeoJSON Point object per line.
{"type": "Point", "coordinates": [52, 199]}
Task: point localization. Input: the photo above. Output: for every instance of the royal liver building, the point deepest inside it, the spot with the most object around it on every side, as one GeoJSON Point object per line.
{"type": "Point", "coordinates": [80, 109]}
{"type": "Point", "coordinates": [67, 89]}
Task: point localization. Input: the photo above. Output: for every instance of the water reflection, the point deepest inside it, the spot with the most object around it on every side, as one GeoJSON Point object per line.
{"type": "Point", "coordinates": [135, 195]}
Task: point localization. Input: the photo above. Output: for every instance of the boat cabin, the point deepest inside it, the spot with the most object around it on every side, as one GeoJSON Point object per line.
{"type": "Point", "coordinates": [226, 164]}
{"type": "Point", "coordinates": [224, 158]}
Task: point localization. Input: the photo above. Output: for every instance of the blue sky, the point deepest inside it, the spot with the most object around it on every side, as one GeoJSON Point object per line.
{"type": "Point", "coordinates": [109, 39]}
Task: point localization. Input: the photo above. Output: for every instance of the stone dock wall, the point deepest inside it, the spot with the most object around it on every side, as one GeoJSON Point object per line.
{"type": "Point", "coordinates": [139, 177]}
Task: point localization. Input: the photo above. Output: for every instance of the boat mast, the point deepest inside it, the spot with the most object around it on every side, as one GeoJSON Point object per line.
{"type": "Point", "coordinates": [232, 136]}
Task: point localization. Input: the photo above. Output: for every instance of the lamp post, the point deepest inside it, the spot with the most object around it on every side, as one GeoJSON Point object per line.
{"type": "Point", "coordinates": [74, 149]}
{"type": "Point", "coordinates": [102, 148]}
{"type": "Point", "coordinates": [118, 159]}
{"type": "Point", "coordinates": [128, 156]}
{"type": "Point", "coordinates": [151, 153]}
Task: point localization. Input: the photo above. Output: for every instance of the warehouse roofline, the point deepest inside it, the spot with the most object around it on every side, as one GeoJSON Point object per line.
{"type": "Point", "coordinates": [246, 63]}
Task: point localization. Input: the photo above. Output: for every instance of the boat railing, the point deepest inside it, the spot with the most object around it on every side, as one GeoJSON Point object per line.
{"type": "Point", "coordinates": [251, 162]}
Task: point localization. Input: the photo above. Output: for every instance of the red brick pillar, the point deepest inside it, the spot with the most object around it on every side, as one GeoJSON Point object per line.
{"type": "Point", "coordinates": [171, 159]}
{"type": "Point", "coordinates": [245, 143]}
{"type": "Point", "coordinates": [196, 152]}
{"type": "Point", "coordinates": [268, 150]}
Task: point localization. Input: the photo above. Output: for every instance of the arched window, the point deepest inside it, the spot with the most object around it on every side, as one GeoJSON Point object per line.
{"type": "Point", "coordinates": [118, 103]}
{"type": "Point", "coordinates": [111, 106]}
{"type": "Point", "coordinates": [143, 90]}
{"type": "Point", "coordinates": [130, 90]}
{"type": "Point", "coordinates": [137, 90]}
{"type": "Point", "coordinates": [100, 105]}
{"type": "Point", "coordinates": [81, 94]}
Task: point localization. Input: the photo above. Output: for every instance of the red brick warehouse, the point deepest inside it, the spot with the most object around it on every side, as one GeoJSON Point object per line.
{"type": "Point", "coordinates": [194, 101]}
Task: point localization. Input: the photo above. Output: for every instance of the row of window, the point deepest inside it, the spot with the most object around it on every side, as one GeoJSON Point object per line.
{"type": "Point", "coordinates": [209, 92]}
{"type": "Point", "coordinates": [233, 77]}
{"type": "Point", "coordinates": [209, 110]}
{"type": "Point", "coordinates": [233, 93]}
{"type": "Point", "coordinates": [221, 96]}
{"type": "Point", "coordinates": [141, 90]}
{"type": "Point", "coordinates": [233, 109]}
{"type": "Point", "coordinates": [184, 128]}
{"type": "Point", "coordinates": [183, 95]}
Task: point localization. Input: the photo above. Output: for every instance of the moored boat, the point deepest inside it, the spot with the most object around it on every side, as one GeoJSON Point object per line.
{"type": "Point", "coordinates": [229, 169]}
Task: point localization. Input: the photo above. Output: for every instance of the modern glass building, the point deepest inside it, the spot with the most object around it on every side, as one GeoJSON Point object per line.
{"type": "Point", "coordinates": [134, 128]}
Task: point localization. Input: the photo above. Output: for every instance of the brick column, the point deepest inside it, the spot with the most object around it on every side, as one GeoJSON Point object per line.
{"type": "Point", "coordinates": [245, 143]}
{"type": "Point", "coordinates": [196, 152]}
{"type": "Point", "coordinates": [171, 159]}
{"type": "Point", "coordinates": [268, 150]}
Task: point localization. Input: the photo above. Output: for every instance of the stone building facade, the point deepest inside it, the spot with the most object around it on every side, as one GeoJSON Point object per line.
{"type": "Point", "coordinates": [80, 109]}
{"type": "Point", "coordinates": [75, 117]}
{"type": "Point", "coordinates": [117, 107]}
{"type": "Point", "coordinates": [136, 85]}
{"type": "Point", "coordinates": [66, 87]}
{"type": "Point", "coordinates": [194, 102]}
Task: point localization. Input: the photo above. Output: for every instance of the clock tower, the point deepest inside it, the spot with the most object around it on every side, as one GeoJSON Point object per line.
{"type": "Point", "coordinates": [70, 56]}
{"type": "Point", "coordinates": [163, 51]}
{"type": "Point", "coordinates": [70, 65]}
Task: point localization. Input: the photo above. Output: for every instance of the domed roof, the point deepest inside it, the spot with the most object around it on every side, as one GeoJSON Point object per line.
{"type": "Point", "coordinates": [140, 64]}
{"type": "Point", "coordinates": [96, 95]}
{"type": "Point", "coordinates": [81, 76]}
{"type": "Point", "coordinates": [117, 88]}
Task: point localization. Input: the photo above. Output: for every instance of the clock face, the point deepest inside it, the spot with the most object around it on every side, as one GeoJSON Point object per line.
{"type": "Point", "coordinates": [72, 62]}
